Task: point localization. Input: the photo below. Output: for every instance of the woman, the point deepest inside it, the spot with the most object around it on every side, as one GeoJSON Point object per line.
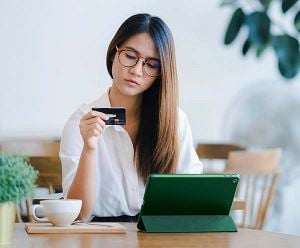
{"type": "Point", "coordinates": [107, 166]}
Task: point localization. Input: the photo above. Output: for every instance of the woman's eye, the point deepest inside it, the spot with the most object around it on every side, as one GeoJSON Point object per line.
{"type": "Point", "coordinates": [153, 64]}
{"type": "Point", "coordinates": [131, 56]}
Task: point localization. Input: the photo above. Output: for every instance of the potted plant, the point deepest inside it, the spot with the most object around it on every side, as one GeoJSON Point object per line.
{"type": "Point", "coordinates": [17, 178]}
{"type": "Point", "coordinates": [266, 21]}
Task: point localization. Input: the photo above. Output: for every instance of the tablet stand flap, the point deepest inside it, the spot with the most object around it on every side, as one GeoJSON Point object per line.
{"type": "Point", "coordinates": [187, 223]}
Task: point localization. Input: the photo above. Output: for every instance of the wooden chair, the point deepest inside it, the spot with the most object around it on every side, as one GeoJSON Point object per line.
{"type": "Point", "coordinates": [211, 154]}
{"type": "Point", "coordinates": [31, 147]}
{"type": "Point", "coordinates": [259, 171]}
{"type": "Point", "coordinates": [49, 172]}
{"type": "Point", "coordinates": [44, 157]}
{"type": "Point", "coordinates": [216, 151]}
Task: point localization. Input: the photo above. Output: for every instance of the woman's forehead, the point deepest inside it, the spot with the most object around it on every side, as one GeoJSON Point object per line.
{"type": "Point", "coordinates": [143, 44]}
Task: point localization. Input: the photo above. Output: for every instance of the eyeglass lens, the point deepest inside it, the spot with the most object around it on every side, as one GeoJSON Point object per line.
{"type": "Point", "coordinates": [130, 58]}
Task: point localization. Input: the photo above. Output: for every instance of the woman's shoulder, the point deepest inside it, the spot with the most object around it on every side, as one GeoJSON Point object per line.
{"type": "Point", "coordinates": [183, 122]}
{"type": "Point", "coordinates": [181, 115]}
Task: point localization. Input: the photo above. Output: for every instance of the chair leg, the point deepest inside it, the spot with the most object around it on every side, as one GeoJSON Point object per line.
{"type": "Point", "coordinates": [28, 206]}
{"type": "Point", "coordinates": [50, 188]}
{"type": "Point", "coordinates": [18, 214]}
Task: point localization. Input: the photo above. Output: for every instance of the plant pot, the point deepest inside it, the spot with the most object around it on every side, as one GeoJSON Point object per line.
{"type": "Point", "coordinates": [7, 222]}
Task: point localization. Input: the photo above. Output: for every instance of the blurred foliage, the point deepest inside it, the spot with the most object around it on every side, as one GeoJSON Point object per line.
{"type": "Point", "coordinates": [254, 16]}
{"type": "Point", "coordinates": [17, 178]}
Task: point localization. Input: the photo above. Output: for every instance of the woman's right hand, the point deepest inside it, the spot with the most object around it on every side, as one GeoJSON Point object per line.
{"type": "Point", "coordinates": [91, 126]}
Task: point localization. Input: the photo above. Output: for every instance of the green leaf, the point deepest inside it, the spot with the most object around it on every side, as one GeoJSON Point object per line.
{"type": "Point", "coordinates": [234, 26]}
{"type": "Point", "coordinates": [246, 46]}
{"type": "Point", "coordinates": [259, 28]}
{"type": "Point", "coordinates": [265, 3]}
{"type": "Point", "coordinates": [227, 2]}
{"type": "Point", "coordinates": [287, 71]}
{"type": "Point", "coordinates": [260, 51]}
{"type": "Point", "coordinates": [287, 4]}
{"type": "Point", "coordinates": [297, 21]}
{"type": "Point", "coordinates": [285, 46]}
{"type": "Point", "coordinates": [287, 51]}
{"type": "Point", "coordinates": [17, 178]}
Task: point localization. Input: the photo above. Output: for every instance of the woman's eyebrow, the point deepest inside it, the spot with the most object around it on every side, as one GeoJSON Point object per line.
{"type": "Point", "coordinates": [131, 48]}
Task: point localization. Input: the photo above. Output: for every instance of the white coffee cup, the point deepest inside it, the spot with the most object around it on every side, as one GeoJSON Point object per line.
{"type": "Point", "coordinates": [59, 212]}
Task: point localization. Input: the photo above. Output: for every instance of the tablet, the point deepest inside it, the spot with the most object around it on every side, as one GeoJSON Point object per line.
{"type": "Point", "coordinates": [188, 199]}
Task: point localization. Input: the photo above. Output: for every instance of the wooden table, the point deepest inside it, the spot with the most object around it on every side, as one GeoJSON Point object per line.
{"type": "Point", "coordinates": [244, 238]}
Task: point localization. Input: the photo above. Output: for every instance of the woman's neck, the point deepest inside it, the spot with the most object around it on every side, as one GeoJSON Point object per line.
{"type": "Point", "coordinates": [131, 103]}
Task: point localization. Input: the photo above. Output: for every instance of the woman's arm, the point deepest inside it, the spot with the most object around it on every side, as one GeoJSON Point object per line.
{"type": "Point", "coordinates": [83, 185]}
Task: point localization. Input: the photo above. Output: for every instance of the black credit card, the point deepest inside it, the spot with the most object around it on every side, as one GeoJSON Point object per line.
{"type": "Point", "coordinates": [117, 116]}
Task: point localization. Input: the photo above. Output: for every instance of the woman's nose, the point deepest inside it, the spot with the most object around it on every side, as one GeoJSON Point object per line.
{"type": "Point", "coordinates": [138, 68]}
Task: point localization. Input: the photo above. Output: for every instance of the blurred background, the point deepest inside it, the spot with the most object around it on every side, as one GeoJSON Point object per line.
{"type": "Point", "coordinates": [52, 59]}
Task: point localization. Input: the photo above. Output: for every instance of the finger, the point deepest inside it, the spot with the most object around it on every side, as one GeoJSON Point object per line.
{"type": "Point", "coordinates": [96, 126]}
{"type": "Point", "coordinates": [92, 114]}
{"type": "Point", "coordinates": [92, 121]}
{"type": "Point", "coordinates": [90, 133]}
{"type": "Point", "coordinates": [93, 132]}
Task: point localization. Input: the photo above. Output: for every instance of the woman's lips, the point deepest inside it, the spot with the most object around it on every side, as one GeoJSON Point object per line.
{"type": "Point", "coordinates": [131, 82]}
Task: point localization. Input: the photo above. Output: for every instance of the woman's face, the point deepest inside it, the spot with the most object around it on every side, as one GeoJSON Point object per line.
{"type": "Point", "coordinates": [133, 80]}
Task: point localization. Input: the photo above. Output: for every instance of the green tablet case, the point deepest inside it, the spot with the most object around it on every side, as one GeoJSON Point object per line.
{"type": "Point", "coordinates": [188, 203]}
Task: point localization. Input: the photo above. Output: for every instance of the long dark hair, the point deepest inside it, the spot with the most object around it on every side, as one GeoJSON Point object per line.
{"type": "Point", "coordinates": [156, 148]}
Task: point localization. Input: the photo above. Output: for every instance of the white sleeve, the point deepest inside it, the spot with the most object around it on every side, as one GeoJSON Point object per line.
{"type": "Point", "coordinates": [70, 150]}
{"type": "Point", "coordinates": [189, 162]}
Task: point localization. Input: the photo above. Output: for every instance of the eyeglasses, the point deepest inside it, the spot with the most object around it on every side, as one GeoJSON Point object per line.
{"type": "Point", "coordinates": [129, 58]}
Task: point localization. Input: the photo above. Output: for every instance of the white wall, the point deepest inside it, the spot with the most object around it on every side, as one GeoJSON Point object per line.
{"type": "Point", "coordinates": [52, 59]}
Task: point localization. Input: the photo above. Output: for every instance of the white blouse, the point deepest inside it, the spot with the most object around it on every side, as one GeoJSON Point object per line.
{"type": "Point", "coordinates": [119, 188]}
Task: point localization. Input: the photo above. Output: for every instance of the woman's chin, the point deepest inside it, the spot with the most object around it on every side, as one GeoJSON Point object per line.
{"type": "Point", "coordinates": [129, 91]}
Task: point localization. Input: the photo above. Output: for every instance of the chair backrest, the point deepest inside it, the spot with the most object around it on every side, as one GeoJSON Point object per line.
{"type": "Point", "coordinates": [49, 172]}
{"type": "Point", "coordinates": [216, 151]}
{"type": "Point", "coordinates": [259, 172]}
{"type": "Point", "coordinates": [44, 157]}
{"type": "Point", "coordinates": [31, 147]}
{"type": "Point", "coordinates": [214, 156]}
